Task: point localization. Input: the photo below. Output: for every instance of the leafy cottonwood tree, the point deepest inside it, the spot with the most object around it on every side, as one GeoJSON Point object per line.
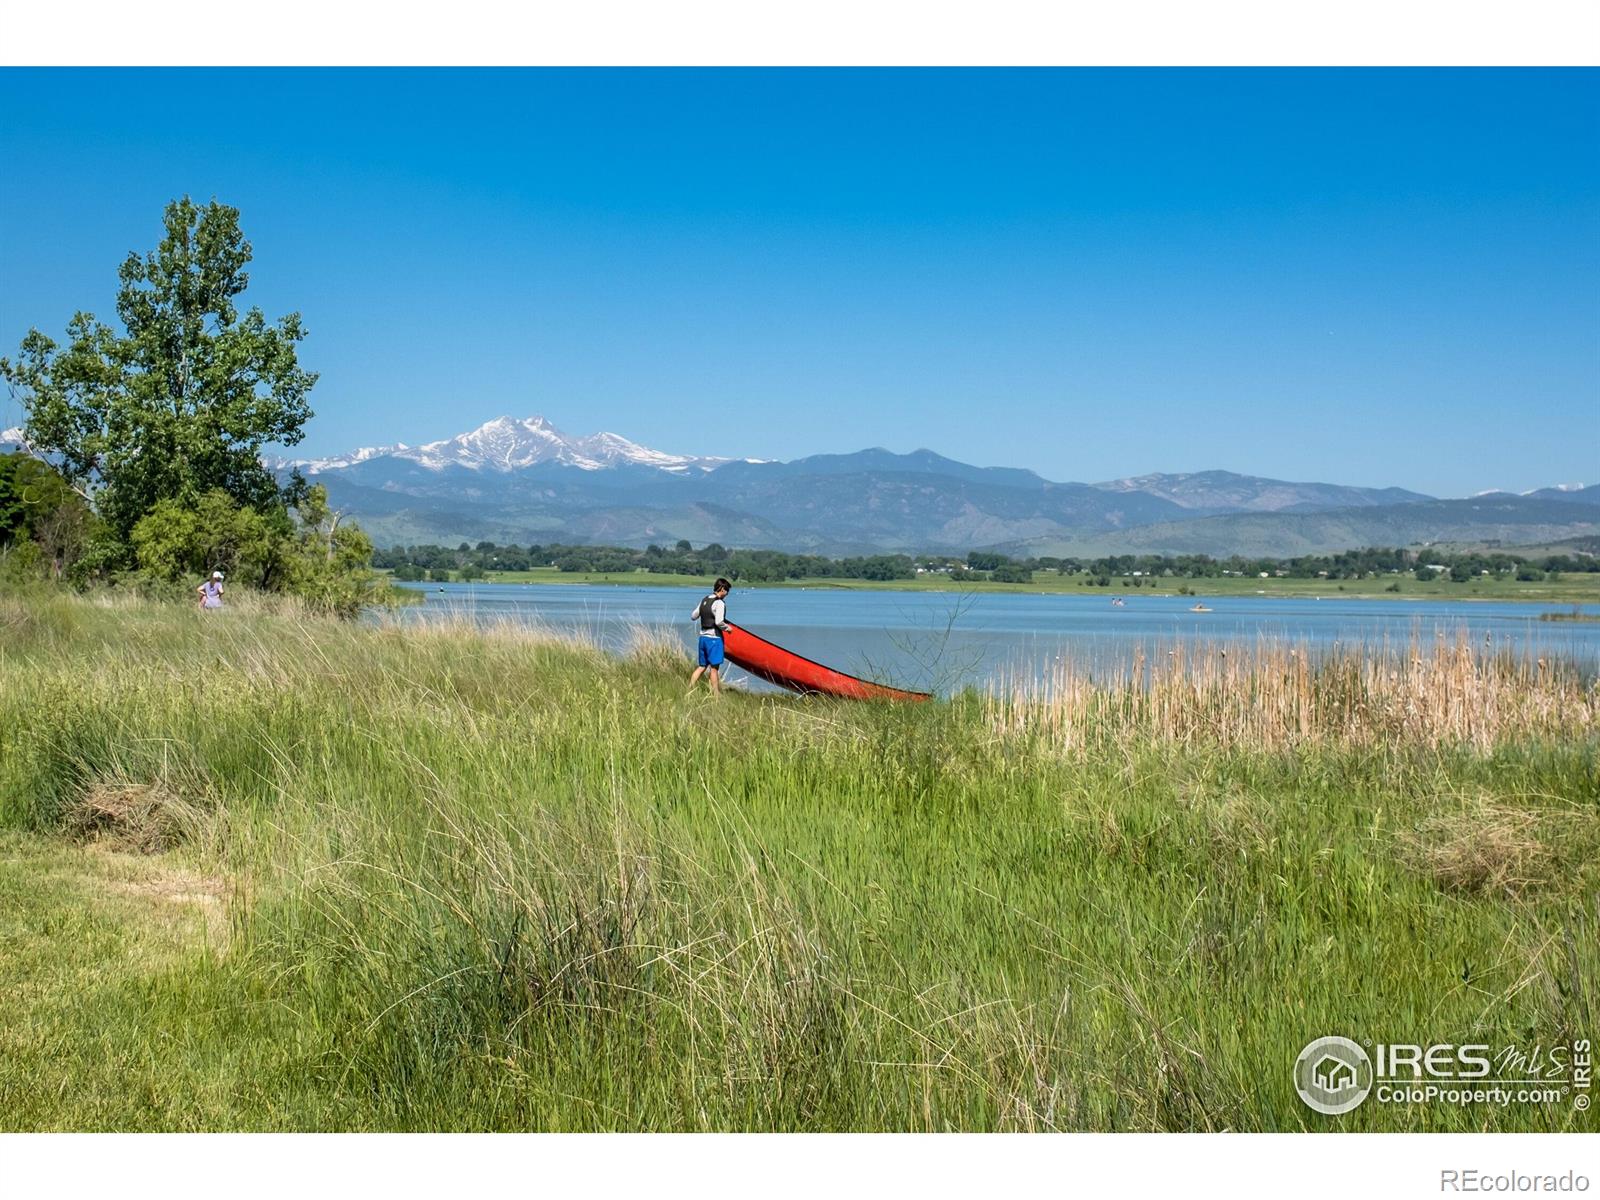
{"type": "Point", "coordinates": [179, 402]}
{"type": "Point", "coordinates": [38, 508]}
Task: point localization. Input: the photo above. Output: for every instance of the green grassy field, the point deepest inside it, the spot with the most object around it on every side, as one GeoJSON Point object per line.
{"type": "Point", "coordinates": [1571, 588]}
{"type": "Point", "coordinates": [263, 871]}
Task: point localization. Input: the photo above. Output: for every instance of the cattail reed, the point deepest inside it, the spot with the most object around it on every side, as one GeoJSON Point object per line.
{"type": "Point", "coordinates": [1277, 696]}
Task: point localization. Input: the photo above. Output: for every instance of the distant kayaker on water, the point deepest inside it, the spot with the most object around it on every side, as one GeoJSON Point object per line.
{"type": "Point", "coordinates": [211, 591]}
{"type": "Point", "coordinates": [712, 614]}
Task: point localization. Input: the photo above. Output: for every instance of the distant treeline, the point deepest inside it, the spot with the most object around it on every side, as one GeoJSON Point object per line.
{"type": "Point", "coordinates": [752, 566]}
{"type": "Point", "coordinates": [467, 561]}
{"type": "Point", "coordinates": [1369, 563]}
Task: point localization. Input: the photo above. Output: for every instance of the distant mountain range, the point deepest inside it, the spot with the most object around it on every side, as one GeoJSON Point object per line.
{"type": "Point", "coordinates": [525, 481]}
{"type": "Point", "coordinates": [1500, 519]}
{"type": "Point", "coordinates": [1221, 491]}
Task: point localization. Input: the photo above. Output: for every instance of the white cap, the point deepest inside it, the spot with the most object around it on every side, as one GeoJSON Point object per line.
{"type": "Point", "coordinates": [216, 574]}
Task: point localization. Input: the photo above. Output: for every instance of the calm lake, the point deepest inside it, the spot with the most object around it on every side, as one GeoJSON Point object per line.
{"type": "Point", "coordinates": [945, 640]}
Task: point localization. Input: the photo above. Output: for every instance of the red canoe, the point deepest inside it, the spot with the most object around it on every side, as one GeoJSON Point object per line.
{"type": "Point", "coordinates": [790, 670]}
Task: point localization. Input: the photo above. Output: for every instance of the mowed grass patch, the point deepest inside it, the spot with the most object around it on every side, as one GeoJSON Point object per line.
{"type": "Point", "coordinates": [490, 879]}
{"type": "Point", "coordinates": [119, 1012]}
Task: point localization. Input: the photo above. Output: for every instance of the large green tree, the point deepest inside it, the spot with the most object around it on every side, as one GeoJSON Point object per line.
{"type": "Point", "coordinates": [178, 402]}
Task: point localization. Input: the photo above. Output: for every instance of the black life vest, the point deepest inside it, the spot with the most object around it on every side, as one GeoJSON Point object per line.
{"type": "Point", "coordinates": [708, 620]}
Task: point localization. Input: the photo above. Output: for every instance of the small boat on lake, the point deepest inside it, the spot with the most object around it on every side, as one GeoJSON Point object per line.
{"type": "Point", "coordinates": [1199, 608]}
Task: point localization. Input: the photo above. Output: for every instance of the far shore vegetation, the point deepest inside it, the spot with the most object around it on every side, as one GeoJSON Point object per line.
{"type": "Point", "coordinates": [1576, 614]}
{"type": "Point", "coordinates": [1375, 572]}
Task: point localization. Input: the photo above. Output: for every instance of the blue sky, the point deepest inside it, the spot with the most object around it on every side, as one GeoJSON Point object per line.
{"type": "Point", "coordinates": [1368, 277]}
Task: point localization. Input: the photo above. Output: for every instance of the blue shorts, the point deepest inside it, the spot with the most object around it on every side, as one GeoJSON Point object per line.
{"type": "Point", "coordinates": [710, 654]}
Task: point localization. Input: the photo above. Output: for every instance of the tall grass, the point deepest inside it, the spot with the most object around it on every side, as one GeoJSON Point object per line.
{"type": "Point", "coordinates": [1277, 697]}
{"type": "Point", "coordinates": [494, 878]}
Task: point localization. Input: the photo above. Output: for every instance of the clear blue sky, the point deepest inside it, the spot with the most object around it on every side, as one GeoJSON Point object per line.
{"type": "Point", "coordinates": [1366, 277]}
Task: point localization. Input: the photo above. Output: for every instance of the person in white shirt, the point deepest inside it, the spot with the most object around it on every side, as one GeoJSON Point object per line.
{"type": "Point", "coordinates": [211, 591]}
{"type": "Point", "coordinates": [712, 614]}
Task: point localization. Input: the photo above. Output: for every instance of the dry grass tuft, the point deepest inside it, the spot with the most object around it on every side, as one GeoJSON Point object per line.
{"type": "Point", "coordinates": [138, 818]}
{"type": "Point", "coordinates": [1483, 848]}
{"type": "Point", "coordinates": [1236, 822]}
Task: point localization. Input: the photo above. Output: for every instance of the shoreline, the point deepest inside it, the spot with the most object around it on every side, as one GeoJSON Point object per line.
{"type": "Point", "coordinates": [647, 580]}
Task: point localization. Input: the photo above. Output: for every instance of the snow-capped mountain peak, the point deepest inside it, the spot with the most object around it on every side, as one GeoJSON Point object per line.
{"type": "Point", "coordinates": [503, 444]}
{"type": "Point", "coordinates": [312, 466]}
{"type": "Point", "coordinates": [1541, 491]}
{"type": "Point", "coordinates": [612, 449]}
{"type": "Point", "coordinates": [508, 444]}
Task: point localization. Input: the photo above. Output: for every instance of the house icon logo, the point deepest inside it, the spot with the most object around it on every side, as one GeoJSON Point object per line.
{"type": "Point", "coordinates": [1333, 1075]}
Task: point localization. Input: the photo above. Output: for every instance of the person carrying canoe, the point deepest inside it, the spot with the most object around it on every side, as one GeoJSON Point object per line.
{"type": "Point", "coordinates": [712, 614]}
{"type": "Point", "coordinates": [211, 591]}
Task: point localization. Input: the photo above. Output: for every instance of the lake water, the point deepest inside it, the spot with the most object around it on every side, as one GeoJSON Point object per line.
{"type": "Point", "coordinates": [944, 640]}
